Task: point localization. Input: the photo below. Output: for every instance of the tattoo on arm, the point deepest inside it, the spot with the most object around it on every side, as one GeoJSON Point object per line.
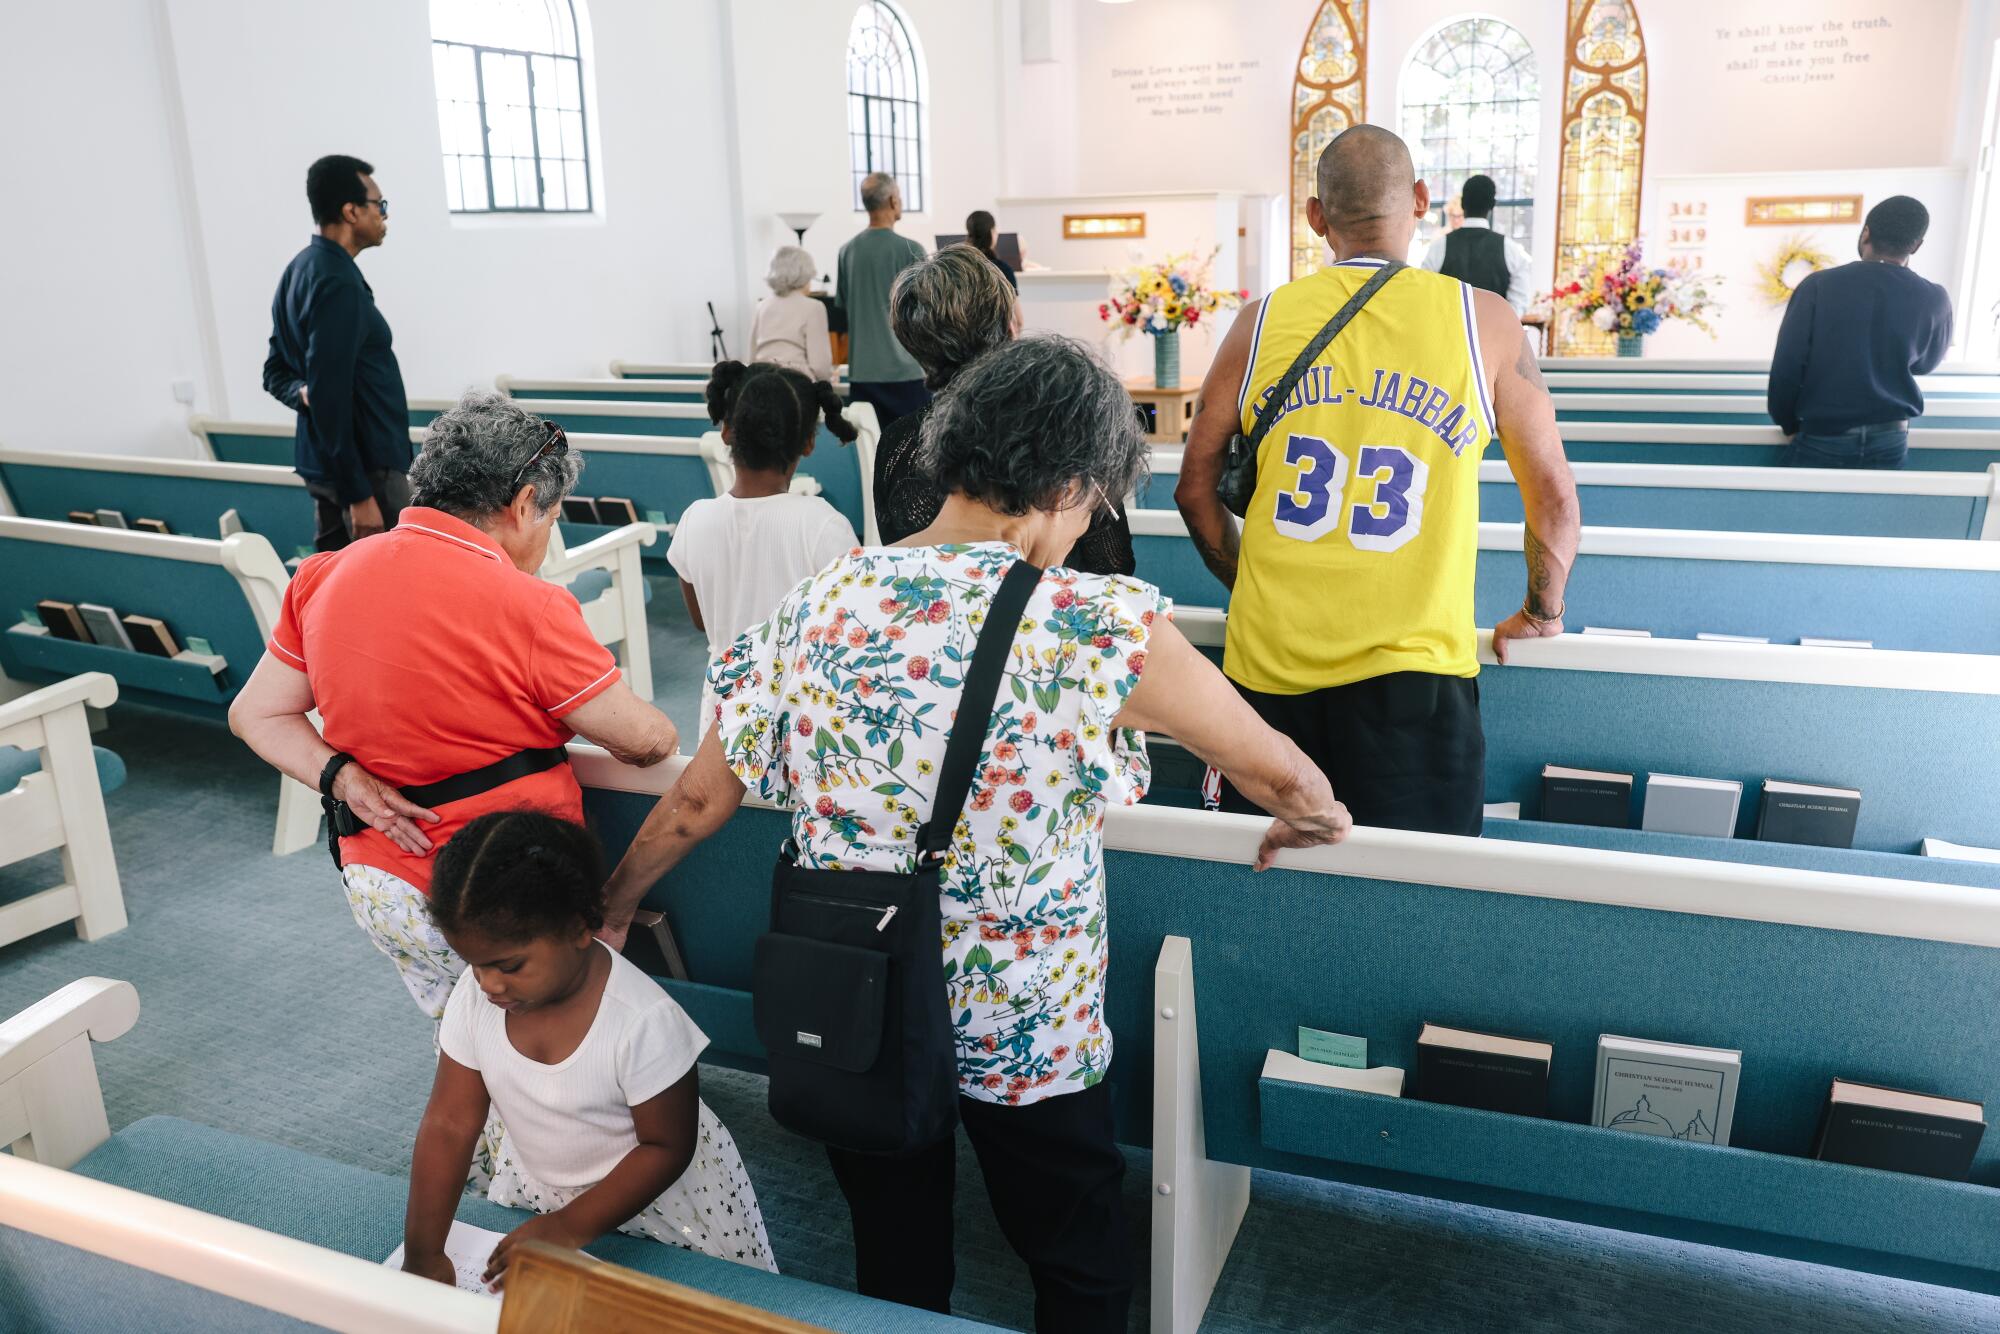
{"type": "Point", "coordinates": [1220, 559]}
{"type": "Point", "coordinates": [1539, 577]}
{"type": "Point", "coordinates": [1529, 367]}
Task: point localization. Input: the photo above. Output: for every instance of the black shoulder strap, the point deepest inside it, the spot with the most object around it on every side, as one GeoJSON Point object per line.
{"type": "Point", "coordinates": [975, 707]}
{"type": "Point", "coordinates": [1275, 403]}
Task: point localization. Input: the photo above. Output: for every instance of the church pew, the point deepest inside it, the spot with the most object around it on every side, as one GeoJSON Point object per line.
{"type": "Point", "coordinates": [1933, 450]}
{"type": "Point", "coordinates": [846, 475]}
{"type": "Point", "coordinates": [661, 370]}
{"type": "Point", "coordinates": [267, 443]}
{"type": "Point", "coordinates": [1925, 594]}
{"type": "Point", "coordinates": [1914, 732]}
{"type": "Point", "coordinates": [613, 390]}
{"type": "Point", "coordinates": [1671, 385]}
{"type": "Point", "coordinates": [1760, 366]}
{"type": "Point", "coordinates": [1981, 412]}
{"type": "Point", "coordinates": [1392, 929]}
{"type": "Point", "coordinates": [191, 497]}
{"type": "Point", "coordinates": [52, 788]}
{"type": "Point", "coordinates": [1826, 501]}
{"type": "Point", "coordinates": [227, 592]}
{"type": "Point", "coordinates": [201, 1229]}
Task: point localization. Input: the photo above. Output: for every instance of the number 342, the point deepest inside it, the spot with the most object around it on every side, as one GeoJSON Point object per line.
{"type": "Point", "coordinates": [1313, 507]}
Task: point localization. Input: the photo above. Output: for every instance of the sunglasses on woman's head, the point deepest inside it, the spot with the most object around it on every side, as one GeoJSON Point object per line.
{"type": "Point", "coordinates": [554, 445]}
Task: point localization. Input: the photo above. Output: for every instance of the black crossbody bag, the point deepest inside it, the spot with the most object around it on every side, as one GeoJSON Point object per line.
{"type": "Point", "coordinates": [1238, 482]}
{"type": "Point", "coordinates": [848, 986]}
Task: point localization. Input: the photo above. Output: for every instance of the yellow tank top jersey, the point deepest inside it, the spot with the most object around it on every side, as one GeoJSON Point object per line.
{"type": "Point", "coordinates": [1360, 544]}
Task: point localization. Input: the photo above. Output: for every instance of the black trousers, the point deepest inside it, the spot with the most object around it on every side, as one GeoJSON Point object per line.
{"type": "Point", "coordinates": [330, 530]}
{"type": "Point", "coordinates": [1403, 751]}
{"type": "Point", "coordinates": [890, 398]}
{"type": "Point", "coordinates": [1054, 1172]}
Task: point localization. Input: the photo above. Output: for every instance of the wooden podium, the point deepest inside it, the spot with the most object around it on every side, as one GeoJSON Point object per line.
{"type": "Point", "coordinates": [1166, 412]}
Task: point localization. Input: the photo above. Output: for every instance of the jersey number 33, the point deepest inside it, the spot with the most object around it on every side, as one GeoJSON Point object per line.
{"type": "Point", "coordinates": [1314, 506]}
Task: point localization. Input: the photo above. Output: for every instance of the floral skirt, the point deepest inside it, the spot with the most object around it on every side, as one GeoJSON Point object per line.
{"type": "Point", "coordinates": [390, 910]}
{"type": "Point", "coordinates": [711, 1209]}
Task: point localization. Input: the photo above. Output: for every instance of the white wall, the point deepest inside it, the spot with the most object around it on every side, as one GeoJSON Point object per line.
{"type": "Point", "coordinates": [790, 101]}
{"type": "Point", "coordinates": [468, 298]}
{"type": "Point", "coordinates": [97, 312]}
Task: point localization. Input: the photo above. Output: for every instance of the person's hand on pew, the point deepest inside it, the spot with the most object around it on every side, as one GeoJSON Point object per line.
{"type": "Point", "coordinates": [1525, 625]}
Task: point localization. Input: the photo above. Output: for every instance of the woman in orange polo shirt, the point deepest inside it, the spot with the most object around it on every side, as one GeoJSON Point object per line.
{"type": "Point", "coordinates": [432, 651]}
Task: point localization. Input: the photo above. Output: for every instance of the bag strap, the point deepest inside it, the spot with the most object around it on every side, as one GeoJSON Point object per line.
{"type": "Point", "coordinates": [1274, 405]}
{"type": "Point", "coordinates": [975, 708]}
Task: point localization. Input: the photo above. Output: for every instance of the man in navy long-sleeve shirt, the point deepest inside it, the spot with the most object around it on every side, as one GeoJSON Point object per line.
{"type": "Point", "coordinates": [331, 362]}
{"type": "Point", "coordinates": [1854, 340]}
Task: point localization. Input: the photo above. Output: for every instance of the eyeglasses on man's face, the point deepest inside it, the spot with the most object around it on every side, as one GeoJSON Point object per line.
{"type": "Point", "coordinates": [381, 205]}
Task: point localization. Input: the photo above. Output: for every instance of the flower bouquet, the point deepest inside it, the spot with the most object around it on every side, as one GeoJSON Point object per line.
{"type": "Point", "coordinates": [1622, 296]}
{"type": "Point", "coordinates": [1162, 299]}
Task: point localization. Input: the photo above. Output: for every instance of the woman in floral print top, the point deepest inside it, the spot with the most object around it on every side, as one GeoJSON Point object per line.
{"type": "Point", "coordinates": [839, 707]}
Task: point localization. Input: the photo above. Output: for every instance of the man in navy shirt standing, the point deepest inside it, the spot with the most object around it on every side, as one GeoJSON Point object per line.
{"type": "Point", "coordinates": [331, 362]}
{"type": "Point", "coordinates": [1854, 340]}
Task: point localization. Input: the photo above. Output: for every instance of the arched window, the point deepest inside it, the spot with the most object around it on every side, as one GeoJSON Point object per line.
{"type": "Point", "coordinates": [1603, 147]}
{"type": "Point", "coordinates": [885, 102]}
{"type": "Point", "coordinates": [1329, 94]}
{"type": "Point", "coordinates": [510, 106]}
{"type": "Point", "coordinates": [1472, 107]}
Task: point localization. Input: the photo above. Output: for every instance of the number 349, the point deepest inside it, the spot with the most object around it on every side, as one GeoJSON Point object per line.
{"type": "Point", "coordinates": [1313, 507]}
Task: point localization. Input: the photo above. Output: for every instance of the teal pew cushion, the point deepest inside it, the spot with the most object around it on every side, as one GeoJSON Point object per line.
{"type": "Point", "coordinates": [359, 1212]}
{"type": "Point", "coordinates": [16, 764]}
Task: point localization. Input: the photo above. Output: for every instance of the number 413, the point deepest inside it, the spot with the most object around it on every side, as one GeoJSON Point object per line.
{"type": "Point", "coordinates": [1313, 507]}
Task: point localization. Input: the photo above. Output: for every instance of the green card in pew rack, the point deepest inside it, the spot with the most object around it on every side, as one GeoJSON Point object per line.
{"type": "Point", "coordinates": [1333, 1048]}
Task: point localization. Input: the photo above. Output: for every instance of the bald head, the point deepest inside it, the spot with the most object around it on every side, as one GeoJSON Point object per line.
{"type": "Point", "coordinates": [1365, 175]}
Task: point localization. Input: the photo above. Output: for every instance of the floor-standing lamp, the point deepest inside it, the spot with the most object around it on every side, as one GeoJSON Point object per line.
{"type": "Point", "coordinates": [799, 222]}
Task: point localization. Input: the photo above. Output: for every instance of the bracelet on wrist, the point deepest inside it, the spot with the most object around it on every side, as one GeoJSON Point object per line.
{"type": "Point", "coordinates": [1552, 617]}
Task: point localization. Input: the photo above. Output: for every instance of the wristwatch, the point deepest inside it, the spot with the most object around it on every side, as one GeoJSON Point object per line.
{"type": "Point", "coordinates": [341, 820]}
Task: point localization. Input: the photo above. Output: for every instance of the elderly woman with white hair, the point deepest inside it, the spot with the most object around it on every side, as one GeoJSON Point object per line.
{"type": "Point", "coordinates": [789, 327]}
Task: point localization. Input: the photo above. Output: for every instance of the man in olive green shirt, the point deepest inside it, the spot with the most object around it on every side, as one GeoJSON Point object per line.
{"type": "Point", "coordinates": [879, 371]}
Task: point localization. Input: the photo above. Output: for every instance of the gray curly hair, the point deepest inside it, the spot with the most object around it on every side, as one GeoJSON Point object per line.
{"type": "Point", "coordinates": [947, 308]}
{"type": "Point", "coordinates": [1037, 423]}
{"type": "Point", "coordinates": [471, 454]}
{"type": "Point", "coordinates": [791, 270]}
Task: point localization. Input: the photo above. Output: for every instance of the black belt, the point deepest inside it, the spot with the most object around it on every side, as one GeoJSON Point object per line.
{"type": "Point", "coordinates": [342, 822]}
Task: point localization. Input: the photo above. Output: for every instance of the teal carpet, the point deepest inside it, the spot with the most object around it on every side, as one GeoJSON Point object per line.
{"type": "Point", "coordinates": [265, 1011]}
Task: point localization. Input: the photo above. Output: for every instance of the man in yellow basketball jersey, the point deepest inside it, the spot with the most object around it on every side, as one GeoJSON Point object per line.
{"type": "Point", "coordinates": [1351, 611]}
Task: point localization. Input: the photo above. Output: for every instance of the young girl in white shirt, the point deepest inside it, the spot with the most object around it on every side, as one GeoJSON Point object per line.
{"type": "Point", "coordinates": [589, 1063]}
{"type": "Point", "coordinates": [738, 555]}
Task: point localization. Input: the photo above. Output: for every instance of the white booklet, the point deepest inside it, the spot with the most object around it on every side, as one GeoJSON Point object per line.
{"type": "Point", "coordinates": [468, 1248]}
{"type": "Point", "coordinates": [1384, 1079]}
{"type": "Point", "coordinates": [1666, 1089]}
{"type": "Point", "coordinates": [1937, 847]}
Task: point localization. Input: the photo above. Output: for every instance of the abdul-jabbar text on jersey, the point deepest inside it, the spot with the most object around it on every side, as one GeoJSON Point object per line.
{"type": "Point", "coordinates": [1407, 396]}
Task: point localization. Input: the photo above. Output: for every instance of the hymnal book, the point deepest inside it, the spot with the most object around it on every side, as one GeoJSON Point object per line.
{"type": "Point", "coordinates": [1485, 1070]}
{"type": "Point", "coordinates": [1610, 630]}
{"type": "Point", "coordinates": [104, 625]}
{"type": "Point", "coordinates": [616, 509]}
{"type": "Point", "coordinates": [1383, 1079]}
{"type": "Point", "coordinates": [1937, 847]}
{"type": "Point", "coordinates": [1502, 810]}
{"type": "Point", "coordinates": [1899, 1131]}
{"type": "Point", "coordinates": [468, 1248]}
{"type": "Point", "coordinates": [1666, 1089]}
{"type": "Point", "coordinates": [153, 526]}
{"type": "Point", "coordinates": [111, 519]}
{"type": "Point", "coordinates": [1836, 643]}
{"type": "Point", "coordinates": [1676, 804]}
{"type": "Point", "coordinates": [580, 509]}
{"type": "Point", "coordinates": [1806, 813]}
{"type": "Point", "coordinates": [149, 634]}
{"type": "Point", "coordinates": [1586, 796]}
{"type": "Point", "coordinates": [63, 621]}
{"type": "Point", "coordinates": [83, 516]}
{"type": "Point", "coordinates": [1711, 638]}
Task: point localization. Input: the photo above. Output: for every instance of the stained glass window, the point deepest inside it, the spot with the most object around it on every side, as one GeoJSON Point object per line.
{"type": "Point", "coordinates": [510, 106]}
{"type": "Point", "coordinates": [1329, 94]}
{"type": "Point", "coordinates": [1603, 148]}
{"type": "Point", "coordinates": [885, 102]}
{"type": "Point", "coordinates": [1472, 107]}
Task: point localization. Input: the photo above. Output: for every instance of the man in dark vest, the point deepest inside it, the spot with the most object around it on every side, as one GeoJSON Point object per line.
{"type": "Point", "coordinates": [1475, 254]}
